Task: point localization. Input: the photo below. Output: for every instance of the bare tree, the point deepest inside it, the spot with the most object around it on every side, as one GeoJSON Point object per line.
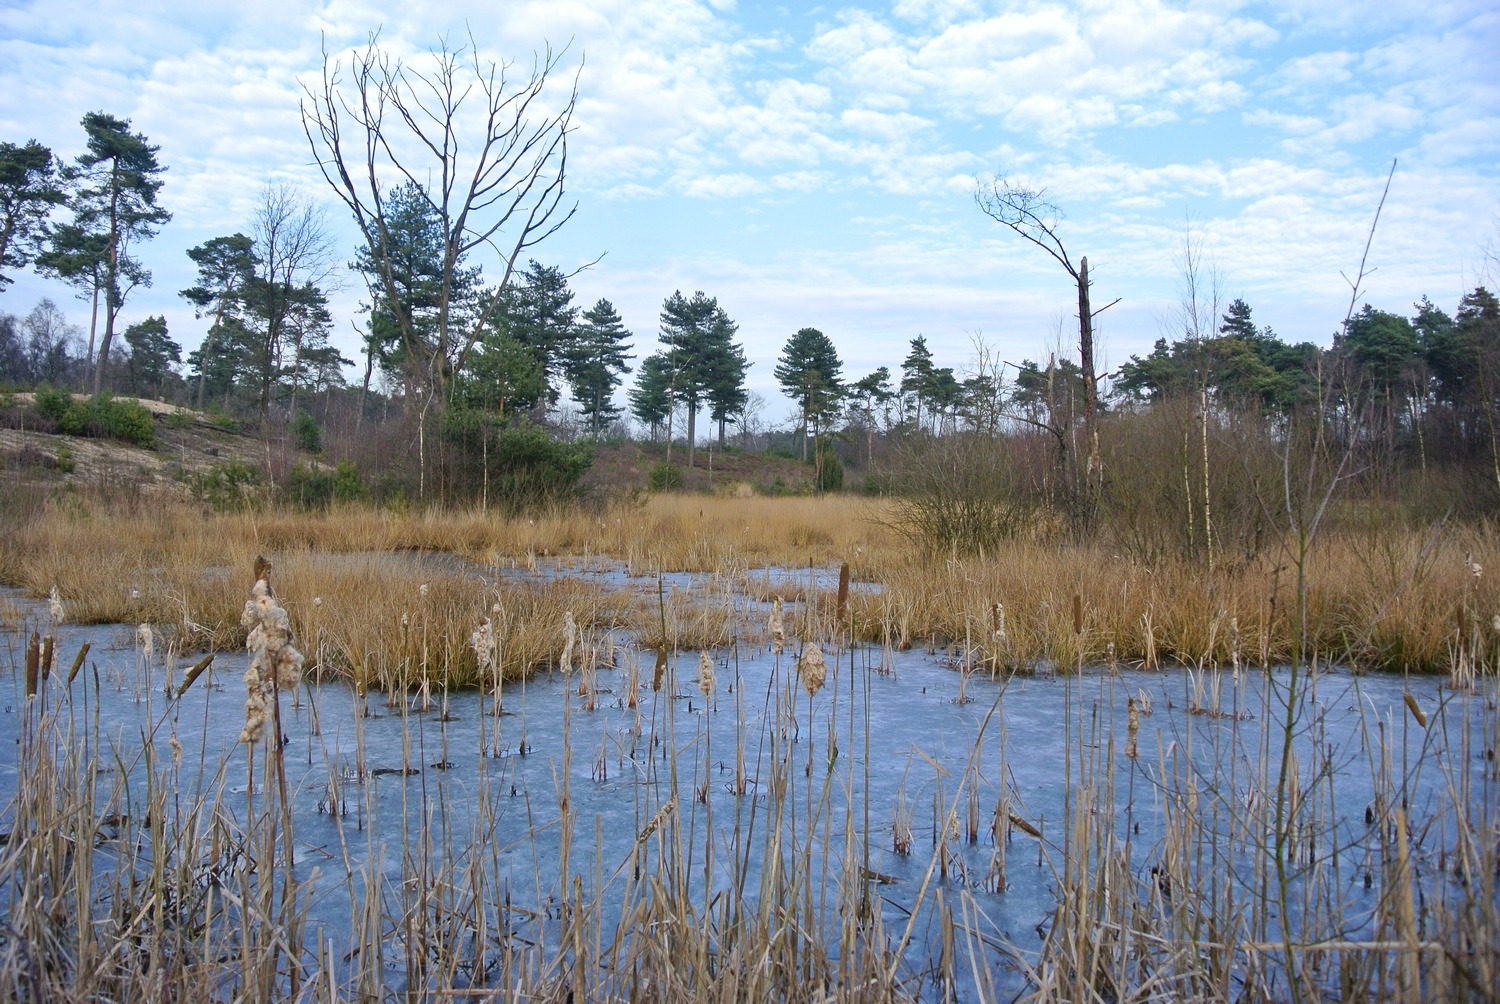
{"type": "Point", "coordinates": [1030, 214]}
{"type": "Point", "coordinates": [488, 153]}
{"type": "Point", "coordinates": [296, 257]}
{"type": "Point", "coordinates": [1200, 288]}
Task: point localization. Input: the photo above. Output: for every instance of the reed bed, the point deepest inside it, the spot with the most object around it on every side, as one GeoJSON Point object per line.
{"type": "Point", "coordinates": [1208, 846]}
{"type": "Point", "coordinates": [1399, 600]}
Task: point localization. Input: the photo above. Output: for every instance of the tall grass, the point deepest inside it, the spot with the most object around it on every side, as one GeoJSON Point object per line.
{"type": "Point", "coordinates": [1392, 599]}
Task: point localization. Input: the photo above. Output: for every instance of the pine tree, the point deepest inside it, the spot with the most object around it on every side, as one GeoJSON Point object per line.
{"type": "Point", "coordinates": [698, 339]}
{"type": "Point", "coordinates": [808, 372]}
{"type": "Point", "coordinates": [29, 188]}
{"type": "Point", "coordinates": [113, 208]}
{"type": "Point", "coordinates": [651, 397]}
{"type": "Point", "coordinates": [226, 266]}
{"type": "Point", "coordinates": [596, 363]}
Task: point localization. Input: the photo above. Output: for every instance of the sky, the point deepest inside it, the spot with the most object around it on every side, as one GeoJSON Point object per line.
{"type": "Point", "coordinates": [815, 166]}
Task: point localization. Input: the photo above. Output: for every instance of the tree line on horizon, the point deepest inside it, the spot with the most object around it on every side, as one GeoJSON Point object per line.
{"type": "Point", "coordinates": [470, 359]}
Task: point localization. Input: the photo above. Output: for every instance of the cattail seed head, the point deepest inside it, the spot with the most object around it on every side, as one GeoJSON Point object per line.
{"type": "Point", "coordinates": [147, 640]}
{"type": "Point", "coordinates": [55, 607]}
{"type": "Point", "coordinates": [812, 669]}
{"type": "Point", "coordinates": [777, 627]}
{"type": "Point", "coordinates": [274, 662]}
{"type": "Point", "coordinates": [706, 678]}
{"type": "Point", "coordinates": [483, 643]}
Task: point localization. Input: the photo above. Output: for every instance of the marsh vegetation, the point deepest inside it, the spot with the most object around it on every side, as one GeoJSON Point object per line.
{"type": "Point", "coordinates": [718, 748]}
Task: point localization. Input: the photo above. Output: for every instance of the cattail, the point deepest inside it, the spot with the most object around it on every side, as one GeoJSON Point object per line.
{"type": "Point", "coordinates": [483, 643]}
{"type": "Point", "coordinates": [33, 663]}
{"type": "Point", "coordinates": [1416, 709]}
{"type": "Point", "coordinates": [1475, 568]}
{"type": "Point", "coordinates": [193, 673]}
{"type": "Point", "coordinates": [657, 820]}
{"type": "Point", "coordinates": [570, 633]}
{"type": "Point", "coordinates": [274, 661]}
{"type": "Point", "coordinates": [999, 623]}
{"type": "Point", "coordinates": [1132, 729]}
{"type": "Point", "coordinates": [55, 607]}
{"type": "Point", "coordinates": [147, 639]}
{"type": "Point", "coordinates": [706, 679]}
{"type": "Point", "coordinates": [843, 599]}
{"type": "Point", "coordinates": [659, 675]}
{"type": "Point", "coordinates": [777, 627]}
{"type": "Point", "coordinates": [83, 651]}
{"type": "Point", "coordinates": [812, 669]}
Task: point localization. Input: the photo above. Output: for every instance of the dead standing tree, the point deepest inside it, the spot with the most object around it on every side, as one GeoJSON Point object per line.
{"type": "Point", "coordinates": [1029, 213]}
{"type": "Point", "coordinates": [488, 152]}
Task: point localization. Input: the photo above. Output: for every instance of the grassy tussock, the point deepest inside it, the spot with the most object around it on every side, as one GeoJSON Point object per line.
{"type": "Point", "coordinates": [1415, 608]}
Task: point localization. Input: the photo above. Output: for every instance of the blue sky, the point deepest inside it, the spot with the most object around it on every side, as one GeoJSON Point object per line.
{"type": "Point", "coordinates": [815, 165]}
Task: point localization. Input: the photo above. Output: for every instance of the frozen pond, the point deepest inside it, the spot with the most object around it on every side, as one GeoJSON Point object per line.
{"type": "Point", "coordinates": [567, 774]}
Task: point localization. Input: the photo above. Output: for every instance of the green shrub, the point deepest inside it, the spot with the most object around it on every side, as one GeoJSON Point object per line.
{"type": "Point", "coordinates": [317, 488]}
{"type": "Point", "coordinates": [221, 419]}
{"type": "Point", "coordinates": [529, 468]}
{"type": "Point", "coordinates": [104, 416]}
{"type": "Point", "coordinates": [65, 460]}
{"type": "Point", "coordinates": [664, 477]}
{"type": "Point", "coordinates": [127, 420]}
{"type": "Point", "coordinates": [51, 403]}
{"type": "Point", "coordinates": [877, 483]}
{"type": "Point", "coordinates": [306, 434]}
{"type": "Point", "coordinates": [348, 486]}
{"type": "Point", "coordinates": [830, 477]}
{"type": "Point", "coordinates": [227, 486]}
